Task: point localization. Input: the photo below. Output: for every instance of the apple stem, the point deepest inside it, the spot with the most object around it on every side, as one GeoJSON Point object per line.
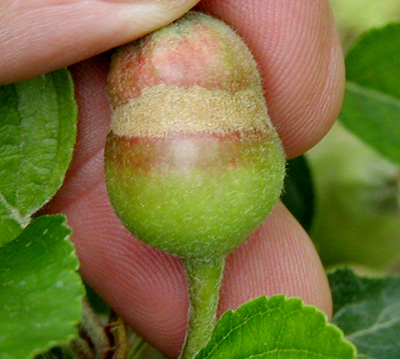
{"type": "Point", "coordinates": [204, 279]}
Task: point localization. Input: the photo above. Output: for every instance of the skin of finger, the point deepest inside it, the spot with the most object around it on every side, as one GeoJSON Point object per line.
{"type": "Point", "coordinates": [147, 287]}
{"type": "Point", "coordinates": [43, 35]}
{"type": "Point", "coordinates": [277, 259]}
{"type": "Point", "coordinates": [297, 47]}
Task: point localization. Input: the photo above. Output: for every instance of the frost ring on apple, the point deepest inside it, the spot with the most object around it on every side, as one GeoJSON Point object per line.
{"type": "Point", "coordinates": [193, 163]}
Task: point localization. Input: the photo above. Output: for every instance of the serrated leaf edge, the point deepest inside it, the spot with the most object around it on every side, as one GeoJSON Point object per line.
{"type": "Point", "coordinates": [72, 254]}
{"type": "Point", "coordinates": [63, 223]}
{"type": "Point", "coordinates": [283, 299]}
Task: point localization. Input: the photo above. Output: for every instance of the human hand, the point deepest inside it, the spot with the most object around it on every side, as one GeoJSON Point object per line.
{"type": "Point", "coordinates": [298, 52]}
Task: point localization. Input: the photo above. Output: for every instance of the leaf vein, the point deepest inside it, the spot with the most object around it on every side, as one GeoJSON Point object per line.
{"type": "Point", "coordinates": [266, 312]}
{"type": "Point", "coordinates": [14, 213]}
{"type": "Point", "coordinates": [276, 350]}
{"type": "Point", "coordinates": [373, 328]}
{"type": "Point", "coordinates": [269, 310]}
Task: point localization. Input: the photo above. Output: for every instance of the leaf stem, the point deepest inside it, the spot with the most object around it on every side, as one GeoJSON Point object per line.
{"type": "Point", "coordinates": [204, 279]}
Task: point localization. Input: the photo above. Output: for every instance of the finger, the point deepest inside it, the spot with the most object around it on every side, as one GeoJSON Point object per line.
{"type": "Point", "coordinates": [42, 35]}
{"type": "Point", "coordinates": [297, 47]}
{"type": "Point", "coordinates": [278, 258]}
{"type": "Point", "coordinates": [148, 288]}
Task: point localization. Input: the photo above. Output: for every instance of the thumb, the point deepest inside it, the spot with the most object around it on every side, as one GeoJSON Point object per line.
{"type": "Point", "coordinates": [42, 35]}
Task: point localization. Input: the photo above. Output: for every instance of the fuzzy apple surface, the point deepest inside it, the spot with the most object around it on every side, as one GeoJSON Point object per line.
{"type": "Point", "coordinates": [195, 196]}
{"type": "Point", "coordinates": [193, 164]}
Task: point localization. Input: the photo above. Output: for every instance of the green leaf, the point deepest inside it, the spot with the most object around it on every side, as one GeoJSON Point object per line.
{"type": "Point", "coordinates": [40, 291]}
{"type": "Point", "coordinates": [9, 227]}
{"type": "Point", "coordinates": [96, 302]}
{"type": "Point", "coordinates": [374, 117]}
{"type": "Point", "coordinates": [371, 107]}
{"type": "Point", "coordinates": [37, 135]}
{"type": "Point", "coordinates": [57, 353]}
{"type": "Point", "coordinates": [368, 311]}
{"type": "Point", "coordinates": [298, 194]}
{"type": "Point", "coordinates": [276, 328]}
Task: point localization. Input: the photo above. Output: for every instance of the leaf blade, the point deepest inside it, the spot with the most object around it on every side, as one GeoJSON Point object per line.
{"type": "Point", "coordinates": [371, 107]}
{"type": "Point", "coordinates": [374, 117]}
{"type": "Point", "coordinates": [373, 61]}
{"type": "Point", "coordinates": [37, 135]}
{"type": "Point", "coordinates": [368, 311]}
{"type": "Point", "coordinates": [276, 327]}
{"type": "Point", "coordinates": [40, 290]}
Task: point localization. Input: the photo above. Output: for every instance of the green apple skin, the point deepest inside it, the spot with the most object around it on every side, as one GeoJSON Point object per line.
{"type": "Point", "coordinates": [195, 196]}
{"type": "Point", "coordinates": [357, 216]}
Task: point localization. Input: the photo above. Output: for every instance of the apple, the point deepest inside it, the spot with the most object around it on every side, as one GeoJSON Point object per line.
{"type": "Point", "coordinates": [357, 217]}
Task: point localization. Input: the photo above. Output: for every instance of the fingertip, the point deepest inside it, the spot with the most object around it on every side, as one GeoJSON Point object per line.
{"type": "Point", "coordinates": [297, 48]}
{"type": "Point", "coordinates": [279, 258]}
{"type": "Point", "coordinates": [40, 38]}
